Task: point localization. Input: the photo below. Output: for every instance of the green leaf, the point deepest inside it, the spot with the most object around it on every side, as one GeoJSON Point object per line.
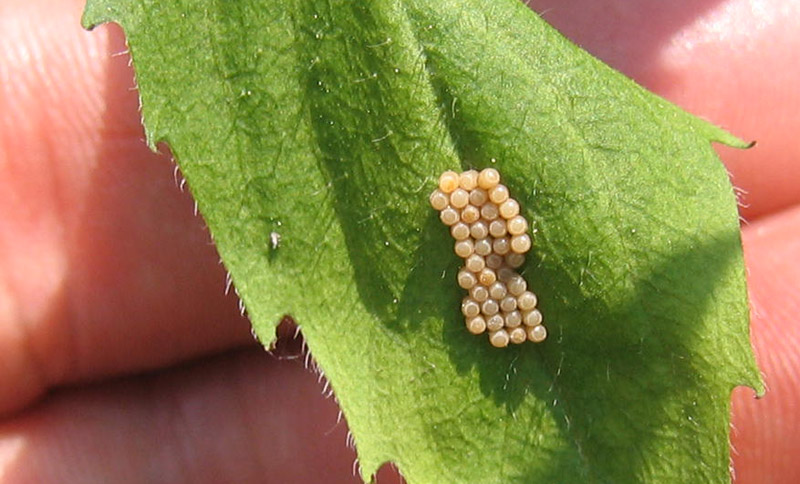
{"type": "Point", "coordinates": [328, 123]}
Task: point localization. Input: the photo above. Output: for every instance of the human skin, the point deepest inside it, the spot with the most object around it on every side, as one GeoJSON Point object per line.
{"type": "Point", "coordinates": [121, 358]}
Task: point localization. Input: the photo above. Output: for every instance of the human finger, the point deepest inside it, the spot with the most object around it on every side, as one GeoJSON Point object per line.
{"type": "Point", "coordinates": [764, 436]}
{"type": "Point", "coordinates": [241, 417]}
{"type": "Point", "coordinates": [104, 269]}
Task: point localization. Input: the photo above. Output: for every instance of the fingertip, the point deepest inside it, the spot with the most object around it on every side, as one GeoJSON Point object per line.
{"type": "Point", "coordinates": [764, 438]}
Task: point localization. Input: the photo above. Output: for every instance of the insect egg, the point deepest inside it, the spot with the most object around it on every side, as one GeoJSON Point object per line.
{"type": "Point", "coordinates": [464, 248]}
{"type": "Point", "coordinates": [532, 318]}
{"type": "Point", "coordinates": [514, 260]}
{"type": "Point", "coordinates": [494, 261]}
{"type": "Point", "coordinates": [497, 228]}
{"type": "Point", "coordinates": [490, 307]}
{"type": "Point", "coordinates": [475, 263]}
{"type": "Point", "coordinates": [470, 214]}
{"type": "Point", "coordinates": [459, 198]}
{"type": "Point", "coordinates": [487, 277]}
{"type": "Point", "coordinates": [495, 322]}
{"type": "Point", "coordinates": [476, 325]}
{"type": "Point", "coordinates": [517, 225]}
{"type": "Point", "coordinates": [520, 243]}
{"type": "Point", "coordinates": [517, 335]}
{"type": "Point", "coordinates": [488, 178]}
{"type": "Point", "coordinates": [498, 194]}
{"type": "Point", "coordinates": [527, 301]}
{"type": "Point", "coordinates": [459, 231]}
{"type": "Point", "coordinates": [439, 200]}
{"type": "Point", "coordinates": [508, 303]}
{"type": "Point", "coordinates": [501, 245]}
{"type": "Point", "coordinates": [480, 230]}
{"type": "Point", "coordinates": [505, 274]}
{"type": "Point", "coordinates": [498, 291]}
{"type": "Point", "coordinates": [499, 338]}
{"type": "Point", "coordinates": [469, 180]}
{"type": "Point", "coordinates": [466, 279]}
{"type": "Point", "coordinates": [448, 181]}
{"type": "Point", "coordinates": [483, 247]}
{"type": "Point", "coordinates": [489, 211]}
{"type": "Point", "coordinates": [479, 293]}
{"type": "Point", "coordinates": [517, 285]}
{"type": "Point", "coordinates": [513, 319]}
{"type": "Point", "coordinates": [478, 197]}
{"type": "Point", "coordinates": [491, 236]}
{"type": "Point", "coordinates": [470, 308]}
{"type": "Point", "coordinates": [537, 334]}
{"type": "Point", "coordinates": [449, 216]}
{"type": "Point", "coordinates": [509, 209]}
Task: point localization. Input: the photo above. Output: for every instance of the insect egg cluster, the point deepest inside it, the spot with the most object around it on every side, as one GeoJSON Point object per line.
{"type": "Point", "coordinates": [492, 238]}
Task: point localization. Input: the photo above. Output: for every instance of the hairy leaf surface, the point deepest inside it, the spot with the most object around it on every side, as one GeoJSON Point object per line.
{"type": "Point", "coordinates": [328, 122]}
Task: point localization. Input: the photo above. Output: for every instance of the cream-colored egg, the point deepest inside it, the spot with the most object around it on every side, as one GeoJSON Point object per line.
{"type": "Point", "coordinates": [475, 263]}
{"type": "Point", "coordinates": [448, 181]}
{"type": "Point", "coordinates": [517, 285]}
{"type": "Point", "coordinates": [505, 274]}
{"type": "Point", "coordinates": [449, 216]}
{"type": "Point", "coordinates": [498, 194]}
{"type": "Point", "coordinates": [459, 198]}
{"type": "Point", "coordinates": [483, 247]}
{"type": "Point", "coordinates": [517, 335]}
{"type": "Point", "coordinates": [479, 230]}
{"type": "Point", "coordinates": [516, 225]}
{"type": "Point", "coordinates": [479, 293]}
{"type": "Point", "coordinates": [513, 319]}
{"type": "Point", "coordinates": [497, 228]}
{"type": "Point", "coordinates": [488, 178]}
{"type": "Point", "coordinates": [537, 334]}
{"type": "Point", "coordinates": [514, 260]}
{"type": "Point", "coordinates": [487, 277]}
{"type": "Point", "coordinates": [459, 231]}
{"type": "Point", "coordinates": [478, 197]}
{"type": "Point", "coordinates": [499, 291]}
{"type": "Point", "coordinates": [489, 211]}
{"type": "Point", "coordinates": [490, 307]}
{"type": "Point", "coordinates": [527, 301]}
{"type": "Point", "coordinates": [464, 248]}
{"type": "Point", "coordinates": [493, 323]}
{"type": "Point", "coordinates": [439, 199]}
{"type": "Point", "coordinates": [494, 261]}
{"type": "Point", "coordinates": [466, 279]}
{"type": "Point", "coordinates": [470, 214]}
{"type": "Point", "coordinates": [499, 338]}
{"type": "Point", "coordinates": [501, 245]}
{"type": "Point", "coordinates": [468, 180]}
{"type": "Point", "coordinates": [508, 303]}
{"type": "Point", "coordinates": [509, 209]}
{"type": "Point", "coordinates": [520, 243]}
{"type": "Point", "coordinates": [476, 325]}
{"type": "Point", "coordinates": [470, 308]}
{"type": "Point", "coordinates": [532, 318]}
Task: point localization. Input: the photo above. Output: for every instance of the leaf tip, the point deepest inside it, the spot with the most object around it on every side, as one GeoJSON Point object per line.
{"type": "Point", "coordinates": [94, 14]}
{"type": "Point", "coordinates": [720, 135]}
{"type": "Point", "coordinates": [759, 387]}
